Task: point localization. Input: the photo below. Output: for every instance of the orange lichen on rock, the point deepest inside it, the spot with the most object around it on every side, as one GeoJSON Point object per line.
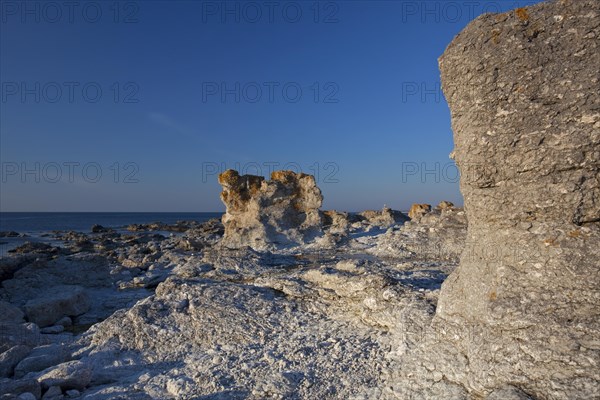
{"type": "Point", "coordinates": [286, 176]}
{"type": "Point", "coordinates": [261, 213]}
{"type": "Point", "coordinates": [496, 36]}
{"type": "Point", "coordinates": [229, 177]}
{"type": "Point", "coordinates": [418, 210]}
{"type": "Point", "coordinates": [522, 14]}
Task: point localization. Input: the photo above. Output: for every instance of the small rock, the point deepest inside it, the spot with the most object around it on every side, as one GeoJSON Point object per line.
{"type": "Point", "coordinates": [27, 396]}
{"type": "Point", "coordinates": [10, 313]}
{"type": "Point", "coordinates": [99, 229]}
{"type": "Point", "coordinates": [10, 358]}
{"type": "Point", "coordinates": [57, 302]}
{"type": "Point", "coordinates": [72, 393]}
{"type": "Point", "coordinates": [69, 375]}
{"type": "Point", "coordinates": [418, 210]}
{"type": "Point", "coordinates": [53, 329]}
{"type": "Point", "coordinates": [9, 234]}
{"type": "Point", "coordinates": [53, 392]}
{"type": "Point", "coordinates": [384, 218]}
{"type": "Point", "coordinates": [35, 247]}
{"type": "Point", "coordinates": [10, 265]}
{"type": "Point", "coordinates": [153, 280]}
{"type": "Point", "coordinates": [41, 358]}
{"type": "Point", "coordinates": [13, 334]}
{"type": "Point", "coordinates": [445, 205]}
{"type": "Point", "coordinates": [65, 322]}
{"type": "Point", "coordinates": [17, 387]}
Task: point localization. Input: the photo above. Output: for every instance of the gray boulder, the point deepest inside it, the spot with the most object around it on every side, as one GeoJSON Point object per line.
{"type": "Point", "coordinates": [13, 387]}
{"type": "Point", "coordinates": [41, 358]}
{"type": "Point", "coordinates": [10, 265]}
{"type": "Point", "coordinates": [27, 396]}
{"type": "Point", "coordinates": [69, 375]}
{"type": "Point", "coordinates": [53, 393]}
{"type": "Point", "coordinates": [10, 358]}
{"type": "Point", "coordinates": [56, 303]}
{"type": "Point", "coordinates": [11, 335]}
{"type": "Point", "coordinates": [10, 313]}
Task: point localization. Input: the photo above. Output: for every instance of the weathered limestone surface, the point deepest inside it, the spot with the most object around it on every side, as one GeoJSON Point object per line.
{"type": "Point", "coordinates": [265, 214]}
{"type": "Point", "coordinates": [418, 210]}
{"type": "Point", "coordinates": [198, 316]}
{"type": "Point", "coordinates": [522, 307]}
{"type": "Point", "coordinates": [438, 235]}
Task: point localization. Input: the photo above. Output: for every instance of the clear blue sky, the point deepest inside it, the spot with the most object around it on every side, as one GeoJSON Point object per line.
{"type": "Point", "coordinates": [180, 84]}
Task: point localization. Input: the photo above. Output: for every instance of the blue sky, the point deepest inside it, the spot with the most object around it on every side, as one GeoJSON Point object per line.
{"type": "Point", "coordinates": [135, 106]}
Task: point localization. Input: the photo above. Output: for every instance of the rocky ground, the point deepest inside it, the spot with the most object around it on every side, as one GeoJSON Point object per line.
{"type": "Point", "coordinates": [286, 301]}
{"type": "Point", "coordinates": [141, 315]}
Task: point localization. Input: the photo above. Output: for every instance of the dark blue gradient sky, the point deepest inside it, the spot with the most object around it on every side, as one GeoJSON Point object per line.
{"type": "Point", "coordinates": [135, 106]}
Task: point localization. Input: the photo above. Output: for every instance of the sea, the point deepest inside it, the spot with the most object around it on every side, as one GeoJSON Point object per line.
{"type": "Point", "coordinates": [38, 225]}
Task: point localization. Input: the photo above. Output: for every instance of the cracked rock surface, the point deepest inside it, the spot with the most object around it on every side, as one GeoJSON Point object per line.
{"type": "Point", "coordinates": [281, 300]}
{"type": "Point", "coordinates": [521, 309]}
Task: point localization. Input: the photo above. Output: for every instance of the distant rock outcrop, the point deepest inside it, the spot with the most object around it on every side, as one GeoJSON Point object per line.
{"type": "Point", "coordinates": [384, 218]}
{"type": "Point", "coordinates": [445, 205]}
{"type": "Point", "coordinates": [262, 214]}
{"type": "Point", "coordinates": [418, 210]}
{"type": "Point", "coordinates": [437, 235]}
{"type": "Point", "coordinates": [522, 307]}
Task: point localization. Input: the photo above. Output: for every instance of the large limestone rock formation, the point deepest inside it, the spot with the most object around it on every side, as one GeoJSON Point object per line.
{"type": "Point", "coordinates": [264, 214]}
{"type": "Point", "coordinates": [522, 307]}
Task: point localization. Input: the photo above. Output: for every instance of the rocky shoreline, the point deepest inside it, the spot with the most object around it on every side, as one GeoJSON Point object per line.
{"type": "Point", "coordinates": [279, 299]}
{"type": "Point", "coordinates": [112, 312]}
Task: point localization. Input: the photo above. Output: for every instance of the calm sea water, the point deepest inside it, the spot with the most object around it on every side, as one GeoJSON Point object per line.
{"type": "Point", "coordinates": [36, 225]}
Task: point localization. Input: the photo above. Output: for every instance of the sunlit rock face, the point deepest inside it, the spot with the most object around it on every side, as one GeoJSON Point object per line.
{"type": "Point", "coordinates": [265, 214]}
{"type": "Point", "coordinates": [524, 93]}
{"type": "Point", "coordinates": [418, 210]}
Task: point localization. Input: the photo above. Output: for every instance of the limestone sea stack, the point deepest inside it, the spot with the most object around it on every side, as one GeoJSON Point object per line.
{"type": "Point", "coordinates": [266, 214]}
{"type": "Point", "coordinates": [524, 93]}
